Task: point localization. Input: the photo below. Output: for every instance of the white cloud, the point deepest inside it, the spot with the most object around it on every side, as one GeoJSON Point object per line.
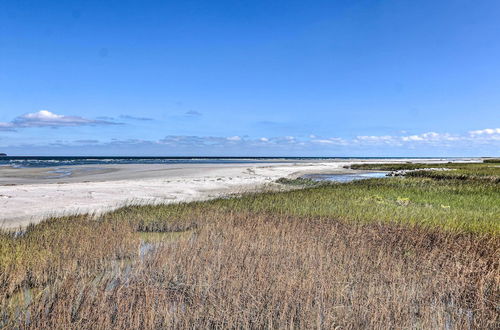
{"type": "Point", "coordinates": [6, 126]}
{"type": "Point", "coordinates": [324, 141]}
{"type": "Point", "coordinates": [430, 137]}
{"type": "Point", "coordinates": [413, 138]}
{"type": "Point", "coordinates": [234, 138]}
{"type": "Point", "coordinates": [374, 138]}
{"type": "Point", "coordinates": [45, 118]}
{"type": "Point", "coordinates": [486, 131]}
{"type": "Point", "coordinates": [332, 141]}
{"type": "Point", "coordinates": [43, 115]}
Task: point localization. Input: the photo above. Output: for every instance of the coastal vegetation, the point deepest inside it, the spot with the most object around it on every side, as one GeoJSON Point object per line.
{"type": "Point", "coordinates": [418, 251]}
{"type": "Point", "coordinates": [488, 170]}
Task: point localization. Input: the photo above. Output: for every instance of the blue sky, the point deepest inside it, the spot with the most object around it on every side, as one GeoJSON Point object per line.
{"type": "Point", "coordinates": [250, 78]}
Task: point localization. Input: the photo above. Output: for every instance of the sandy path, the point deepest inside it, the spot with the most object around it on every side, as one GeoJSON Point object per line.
{"type": "Point", "coordinates": [27, 196]}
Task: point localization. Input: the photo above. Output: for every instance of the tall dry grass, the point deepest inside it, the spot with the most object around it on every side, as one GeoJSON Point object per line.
{"type": "Point", "coordinates": [255, 270]}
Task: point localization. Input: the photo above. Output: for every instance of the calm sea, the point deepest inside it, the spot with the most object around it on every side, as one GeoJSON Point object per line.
{"type": "Point", "coordinates": [19, 162]}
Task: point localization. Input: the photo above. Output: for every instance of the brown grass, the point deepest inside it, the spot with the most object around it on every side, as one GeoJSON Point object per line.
{"type": "Point", "coordinates": [250, 270]}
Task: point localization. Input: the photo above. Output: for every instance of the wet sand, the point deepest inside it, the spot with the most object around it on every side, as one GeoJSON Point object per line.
{"type": "Point", "coordinates": [28, 195]}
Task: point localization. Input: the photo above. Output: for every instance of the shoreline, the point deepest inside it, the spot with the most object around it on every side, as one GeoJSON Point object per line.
{"type": "Point", "coordinates": [27, 196]}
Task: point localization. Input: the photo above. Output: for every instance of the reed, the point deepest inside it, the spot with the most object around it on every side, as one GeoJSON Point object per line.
{"type": "Point", "coordinates": [381, 253]}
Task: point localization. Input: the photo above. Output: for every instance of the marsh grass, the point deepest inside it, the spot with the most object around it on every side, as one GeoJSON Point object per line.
{"type": "Point", "coordinates": [379, 253]}
{"type": "Point", "coordinates": [452, 205]}
{"type": "Point", "coordinates": [488, 171]}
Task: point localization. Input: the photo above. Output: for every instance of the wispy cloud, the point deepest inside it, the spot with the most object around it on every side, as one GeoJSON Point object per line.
{"type": "Point", "coordinates": [127, 117]}
{"type": "Point", "coordinates": [44, 118]}
{"type": "Point", "coordinates": [87, 141]}
{"type": "Point", "coordinates": [427, 139]}
{"type": "Point", "coordinates": [199, 141]}
{"type": "Point", "coordinates": [192, 113]}
{"type": "Point", "coordinates": [6, 127]}
{"type": "Point", "coordinates": [329, 141]}
{"type": "Point", "coordinates": [473, 141]}
{"type": "Point", "coordinates": [374, 139]}
{"type": "Point", "coordinates": [426, 142]}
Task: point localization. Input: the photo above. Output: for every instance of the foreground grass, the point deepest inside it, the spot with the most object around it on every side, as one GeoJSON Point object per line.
{"type": "Point", "coordinates": [380, 253]}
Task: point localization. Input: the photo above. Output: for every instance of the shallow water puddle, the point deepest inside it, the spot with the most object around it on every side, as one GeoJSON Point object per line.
{"type": "Point", "coordinates": [345, 177]}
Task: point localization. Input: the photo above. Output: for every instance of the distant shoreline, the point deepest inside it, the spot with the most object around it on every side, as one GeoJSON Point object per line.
{"type": "Point", "coordinates": [57, 161]}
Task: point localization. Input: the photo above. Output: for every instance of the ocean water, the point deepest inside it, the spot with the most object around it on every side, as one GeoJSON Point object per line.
{"type": "Point", "coordinates": [21, 162]}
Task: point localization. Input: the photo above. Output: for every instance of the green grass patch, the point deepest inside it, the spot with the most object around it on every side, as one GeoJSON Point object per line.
{"type": "Point", "coordinates": [452, 205]}
{"type": "Point", "coordinates": [456, 205]}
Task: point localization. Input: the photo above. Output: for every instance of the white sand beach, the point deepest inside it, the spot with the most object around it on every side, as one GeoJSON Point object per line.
{"type": "Point", "coordinates": [28, 195]}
